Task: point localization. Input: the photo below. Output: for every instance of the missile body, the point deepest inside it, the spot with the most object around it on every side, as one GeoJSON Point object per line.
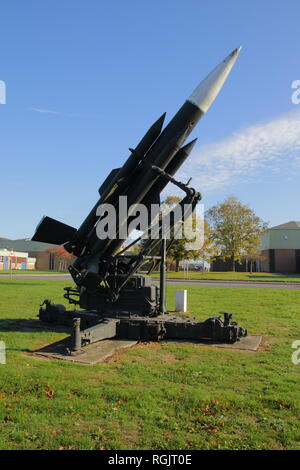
{"type": "Point", "coordinates": [137, 179]}
{"type": "Point", "coordinates": [167, 146]}
{"type": "Point", "coordinates": [117, 177]}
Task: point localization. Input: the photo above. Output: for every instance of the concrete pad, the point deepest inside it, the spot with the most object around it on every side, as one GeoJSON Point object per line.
{"type": "Point", "coordinates": [92, 354]}
{"type": "Point", "coordinates": [249, 343]}
{"type": "Point", "coordinates": [102, 350]}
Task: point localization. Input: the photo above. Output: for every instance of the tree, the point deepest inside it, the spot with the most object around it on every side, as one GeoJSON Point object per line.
{"type": "Point", "coordinates": [208, 250]}
{"type": "Point", "coordinates": [236, 230]}
{"type": "Point", "coordinates": [178, 251]}
{"type": "Point", "coordinates": [65, 258]}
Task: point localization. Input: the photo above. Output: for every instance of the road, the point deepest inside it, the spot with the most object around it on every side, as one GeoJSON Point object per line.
{"type": "Point", "coordinates": [247, 284]}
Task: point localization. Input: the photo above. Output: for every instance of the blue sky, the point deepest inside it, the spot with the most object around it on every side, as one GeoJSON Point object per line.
{"type": "Point", "coordinates": [86, 79]}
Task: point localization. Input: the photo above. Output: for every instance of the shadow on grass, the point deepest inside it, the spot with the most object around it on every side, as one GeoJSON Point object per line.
{"type": "Point", "coordinates": [30, 325]}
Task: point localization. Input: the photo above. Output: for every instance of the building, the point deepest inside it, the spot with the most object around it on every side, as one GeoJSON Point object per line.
{"type": "Point", "coordinates": [280, 248]}
{"type": "Point", "coordinates": [245, 265]}
{"type": "Point", "coordinates": [44, 261]}
{"type": "Point", "coordinates": [16, 260]}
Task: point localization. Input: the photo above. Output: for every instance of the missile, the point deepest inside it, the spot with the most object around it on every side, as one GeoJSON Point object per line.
{"type": "Point", "coordinates": [136, 156]}
{"type": "Point", "coordinates": [53, 231]}
{"type": "Point", "coordinates": [153, 197]}
{"type": "Point", "coordinates": [117, 178]}
{"type": "Point", "coordinates": [138, 178]}
{"type": "Point", "coordinates": [174, 165]}
{"type": "Point", "coordinates": [184, 122]}
{"type": "Point", "coordinates": [167, 145]}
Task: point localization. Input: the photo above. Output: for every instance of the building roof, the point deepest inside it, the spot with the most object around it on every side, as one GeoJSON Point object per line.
{"type": "Point", "coordinates": [25, 245]}
{"type": "Point", "coordinates": [288, 225]}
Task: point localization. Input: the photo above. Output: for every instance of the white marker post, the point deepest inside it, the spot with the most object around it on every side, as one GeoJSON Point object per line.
{"type": "Point", "coordinates": [2, 353]}
{"type": "Point", "coordinates": [181, 301]}
{"type": "Point", "coordinates": [11, 255]}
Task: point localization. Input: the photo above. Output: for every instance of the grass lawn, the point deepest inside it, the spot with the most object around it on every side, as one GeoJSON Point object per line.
{"type": "Point", "coordinates": [30, 271]}
{"type": "Point", "coordinates": [154, 396]}
{"type": "Point", "coordinates": [233, 276]}
{"type": "Point", "coordinates": [221, 276]}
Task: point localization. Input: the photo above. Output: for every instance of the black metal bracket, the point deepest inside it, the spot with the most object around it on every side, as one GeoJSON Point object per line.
{"type": "Point", "coordinates": [187, 189]}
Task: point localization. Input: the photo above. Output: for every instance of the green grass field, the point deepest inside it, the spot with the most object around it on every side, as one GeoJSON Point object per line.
{"type": "Point", "coordinates": [30, 271]}
{"type": "Point", "coordinates": [233, 276]}
{"type": "Point", "coordinates": [154, 396]}
{"type": "Point", "coordinates": [217, 276]}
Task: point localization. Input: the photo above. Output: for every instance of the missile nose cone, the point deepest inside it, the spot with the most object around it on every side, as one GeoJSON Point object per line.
{"type": "Point", "coordinates": [236, 51]}
{"type": "Point", "coordinates": [187, 148]}
{"type": "Point", "coordinates": [157, 126]}
{"type": "Point", "coordinates": [206, 92]}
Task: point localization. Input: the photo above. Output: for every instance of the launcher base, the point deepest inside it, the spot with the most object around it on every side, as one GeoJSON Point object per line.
{"type": "Point", "coordinates": [90, 327]}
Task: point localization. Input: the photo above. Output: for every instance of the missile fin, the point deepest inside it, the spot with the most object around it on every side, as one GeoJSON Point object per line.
{"type": "Point", "coordinates": [109, 180]}
{"type": "Point", "coordinates": [53, 231]}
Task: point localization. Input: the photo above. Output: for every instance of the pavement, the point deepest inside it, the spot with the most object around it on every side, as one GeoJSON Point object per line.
{"type": "Point", "coordinates": [194, 282]}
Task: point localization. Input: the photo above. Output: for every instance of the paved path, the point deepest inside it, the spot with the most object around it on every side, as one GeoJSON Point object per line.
{"type": "Point", "coordinates": [195, 282]}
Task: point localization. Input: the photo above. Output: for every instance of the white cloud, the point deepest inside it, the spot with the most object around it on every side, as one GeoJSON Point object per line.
{"type": "Point", "coordinates": [273, 146]}
{"type": "Point", "coordinates": [40, 110]}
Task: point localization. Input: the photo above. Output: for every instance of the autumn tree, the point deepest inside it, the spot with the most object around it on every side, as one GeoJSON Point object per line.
{"type": "Point", "coordinates": [65, 258]}
{"type": "Point", "coordinates": [208, 251]}
{"type": "Point", "coordinates": [179, 252]}
{"type": "Point", "coordinates": [236, 230]}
